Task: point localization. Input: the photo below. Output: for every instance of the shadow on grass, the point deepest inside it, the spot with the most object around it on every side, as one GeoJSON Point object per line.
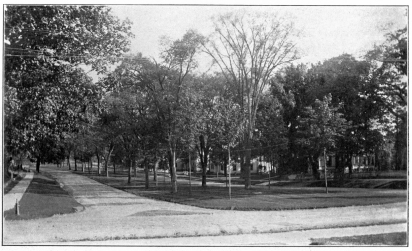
{"type": "Point", "coordinates": [12, 184]}
{"type": "Point", "coordinates": [43, 198]}
{"type": "Point", "coordinates": [216, 195]}
{"type": "Point", "coordinates": [274, 199]}
{"type": "Point", "coordinates": [391, 239]}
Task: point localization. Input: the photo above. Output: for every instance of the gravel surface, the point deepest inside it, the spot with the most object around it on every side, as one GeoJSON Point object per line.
{"type": "Point", "coordinates": [111, 214]}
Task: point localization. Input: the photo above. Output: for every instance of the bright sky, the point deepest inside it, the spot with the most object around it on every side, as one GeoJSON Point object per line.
{"type": "Point", "coordinates": [328, 31]}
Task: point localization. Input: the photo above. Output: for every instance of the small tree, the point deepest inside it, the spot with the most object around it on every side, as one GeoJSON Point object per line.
{"type": "Point", "coordinates": [320, 129]}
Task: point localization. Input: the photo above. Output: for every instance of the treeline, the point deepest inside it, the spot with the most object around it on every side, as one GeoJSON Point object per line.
{"type": "Point", "coordinates": [255, 103]}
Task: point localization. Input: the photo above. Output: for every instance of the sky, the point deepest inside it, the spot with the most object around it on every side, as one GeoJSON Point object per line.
{"type": "Point", "coordinates": [326, 31]}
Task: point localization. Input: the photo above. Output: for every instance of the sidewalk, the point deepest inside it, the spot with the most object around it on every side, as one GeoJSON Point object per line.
{"type": "Point", "coordinates": [112, 214]}
{"type": "Point", "coordinates": [293, 238]}
{"type": "Point", "coordinates": [9, 199]}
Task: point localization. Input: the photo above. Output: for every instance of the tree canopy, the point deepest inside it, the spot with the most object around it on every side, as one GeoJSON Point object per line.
{"type": "Point", "coordinates": [257, 104]}
{"type": "Point", "coordinates": [46, 91]}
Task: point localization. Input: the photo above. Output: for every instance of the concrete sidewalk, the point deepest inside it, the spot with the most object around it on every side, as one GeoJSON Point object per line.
{"type": "Point", "coordinates": [292, 238]}
{"type": "Point", "coordinates": [9, 199]}
{"type": "Point", "coordinates": [112, 214]}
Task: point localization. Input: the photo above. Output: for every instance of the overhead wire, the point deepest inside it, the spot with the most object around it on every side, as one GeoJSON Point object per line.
{"type": "Point", "coordinates": [17, 52]}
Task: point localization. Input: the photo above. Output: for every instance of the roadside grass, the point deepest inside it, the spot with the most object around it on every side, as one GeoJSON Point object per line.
{"type": "Point", "coordinates": [216, 194]}
{"type": "Point", "coordinates": [13, 183]}
{"type": "Point", "coordinates": [43, 198]}
{"type": "Point", "coordinates": [390, 239]}
{"type": "Point", "coordinates": [274, 199]}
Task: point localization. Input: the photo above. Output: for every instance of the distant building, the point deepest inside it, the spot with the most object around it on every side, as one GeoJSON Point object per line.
{"type": "Point", "coordinates": [360, 163]}
{"type": "Point", "coordinates": [258, 165]}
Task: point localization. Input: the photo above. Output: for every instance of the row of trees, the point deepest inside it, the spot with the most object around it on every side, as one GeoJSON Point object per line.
{"type": "Point", "coordinates": [149, 111]}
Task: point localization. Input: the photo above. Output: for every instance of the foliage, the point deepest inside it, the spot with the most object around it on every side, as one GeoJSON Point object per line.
{"type": "Point", "coordinates": [63, 34]}
{"type": "Point", "coordinates": [46, 93]}
{"type": "Point", "coordinates": [321, 127]}
{"type": "Point", "coordinates": [271, 129]}
{"type": "Point", "coordinates": [248, 49]}
{"type": "Point", "coordinates": [46, 111]}
{"type": "Point", "coordinates": [389, 63]}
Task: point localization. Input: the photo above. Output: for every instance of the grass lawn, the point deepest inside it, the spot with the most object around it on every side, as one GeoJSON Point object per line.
{"type": "Point", "coordinates": [391, 239]}
{"type": "Point", "coordinates": [216, 194]}
{"type": "Point", "coordinates": [43, 198]}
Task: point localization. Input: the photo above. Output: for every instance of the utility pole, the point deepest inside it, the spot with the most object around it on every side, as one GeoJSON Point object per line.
{"type": "Point", "coordinates": [326, 177]}
{"type": "Point", "coordinates": [229, 167]}
{"type": "Point", "coordinates": [190, 176]}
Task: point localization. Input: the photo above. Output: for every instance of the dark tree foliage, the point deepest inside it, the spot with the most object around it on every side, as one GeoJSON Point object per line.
{"type": "Point", "coordinates": [46, 94]}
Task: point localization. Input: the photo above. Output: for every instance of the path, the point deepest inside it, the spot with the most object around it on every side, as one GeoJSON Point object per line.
{"type": "Point", "coordinates": [292, 238]}
{"type": "Point", "coordinates": [114, 214]}
{"type": "Point", "coordinates": [9, 199]}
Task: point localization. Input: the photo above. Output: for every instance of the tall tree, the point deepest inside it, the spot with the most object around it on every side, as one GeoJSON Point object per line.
{"type": "Point", "coordinates": [49, 107]}
{"type": "Point", "coordinates": [45, 91]}
{"type": "Point", "coordinates": [271, 140]}
{"type": "Point", "coordinates": [248, 49]}
{"type": "Point", "coordinates": [204, 112]}
{"type": "Point", "coordinates": [60, 34]}
{"type": "Point", "coordinates": [348, 80]}
{"type": "Point", "coordinates": [164, 84]}
{"type": "Point", "coordinates": [389, 64]}
{"type": "Point", "coordinates": [296, 87]}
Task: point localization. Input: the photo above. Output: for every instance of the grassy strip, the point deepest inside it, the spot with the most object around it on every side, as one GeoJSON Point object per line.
{"type": "Point", "coordinates": [390, 239]}
{"type": "Point", "coordinates": [43, 198]}
{"type": "Point", "coordinates": [216, 196]}
{"type": "Point", "coordinates": [274, 199]}
{"type": "Point", "coordinates": [13, 183]}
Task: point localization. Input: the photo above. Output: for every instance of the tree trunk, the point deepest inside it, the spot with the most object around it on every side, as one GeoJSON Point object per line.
{"type": "Point", "coordinates": [204, 166]}
{"type": "Point", "coordinates": [314, 162]}
{"type": "Point", "coordinates": [38, 164]}
{"type": "Point", "coordinates": [129, 173]}
{"type": "Point", "coordinates": [350, 165]}
{"type": "Point", "coordinates": [146, 171]}
{"type": "Point", "coordinates": [172, 160]}
{"type": "Point", "coordinates": [225, 163]}
{"type": "Point", "coordinates": [156, 166]}
{"type": "Point", "coordinates": [340, 168]}
{"type": "Point", "coordinates": [68, 162]}
{"type": "Point", "coordinates": [190, 173]}
{"type": "Point", "coordinates": [134, 165]}
{"type": "Point", "coordinates": [203, 155]}
{"type": "Point", "coordinates": [325, 169]}
{"type": "Point", "coordinates": [246, 163]}
{"type": "Point", "coordinates": [106, 164]}
{"type": "Point", "coordinates": [82, 166]}
{"type": "Point", "coordinates": [98, 163]}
